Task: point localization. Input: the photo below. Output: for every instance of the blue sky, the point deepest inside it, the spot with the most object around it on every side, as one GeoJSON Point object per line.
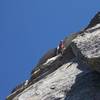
{"type": "Point", "coordinates": [28, 28]}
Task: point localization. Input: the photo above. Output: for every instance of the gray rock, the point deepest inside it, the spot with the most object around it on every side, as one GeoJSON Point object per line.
{"type": "Point", "coordinates": [51, 53]}
{"type": "Point", "coordinates": [87, 46]}
{"type": "Point", "coordinates": [72, 81]}
{"type": "Point", "coordinates": [56, 85]}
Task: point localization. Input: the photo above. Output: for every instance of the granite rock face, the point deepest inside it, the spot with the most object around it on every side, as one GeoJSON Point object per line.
{"type": "Point", "coordinates": [87, 46]}
{"type": "Point", "coordinates": [73, 75]}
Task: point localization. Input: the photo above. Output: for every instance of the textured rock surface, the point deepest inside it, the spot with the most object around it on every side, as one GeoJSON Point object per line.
{"type": "Point", "coordinates": [75, 75]}
{"type": "Point", "coordinates": [87, 45]}
{"type": "Point", "coordinates": [56, 85]}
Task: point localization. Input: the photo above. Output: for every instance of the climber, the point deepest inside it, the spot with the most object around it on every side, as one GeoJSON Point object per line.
{"type": "Point", "coordinates": [60, 48]}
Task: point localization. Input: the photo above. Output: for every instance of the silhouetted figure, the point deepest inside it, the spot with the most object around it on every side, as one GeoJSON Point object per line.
{"type": "Point", "coordinates": [60, 48]}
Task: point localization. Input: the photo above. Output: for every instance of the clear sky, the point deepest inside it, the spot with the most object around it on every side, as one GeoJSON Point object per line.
{"type": "Point", "coordinates": [28, 28]}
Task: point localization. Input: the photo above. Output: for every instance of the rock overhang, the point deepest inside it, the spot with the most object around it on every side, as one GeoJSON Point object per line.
{"type": "Point", "coordinates": [87, 46]}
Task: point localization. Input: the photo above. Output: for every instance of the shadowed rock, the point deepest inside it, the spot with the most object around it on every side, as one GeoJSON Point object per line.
{"type": "Point", "coordinates": [87, 47]}
{"type": "Point", "coordinates": [94, 21]}
{"type": "Point", "coordinates": [51, 53]}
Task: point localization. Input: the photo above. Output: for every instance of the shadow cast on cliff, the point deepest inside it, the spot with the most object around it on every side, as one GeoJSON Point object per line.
{"type": "Point", "coordinates": [86, 86]}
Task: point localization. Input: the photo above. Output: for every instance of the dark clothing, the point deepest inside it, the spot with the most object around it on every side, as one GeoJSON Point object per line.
{"type": "Point", "coordinates": [60, 47]}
